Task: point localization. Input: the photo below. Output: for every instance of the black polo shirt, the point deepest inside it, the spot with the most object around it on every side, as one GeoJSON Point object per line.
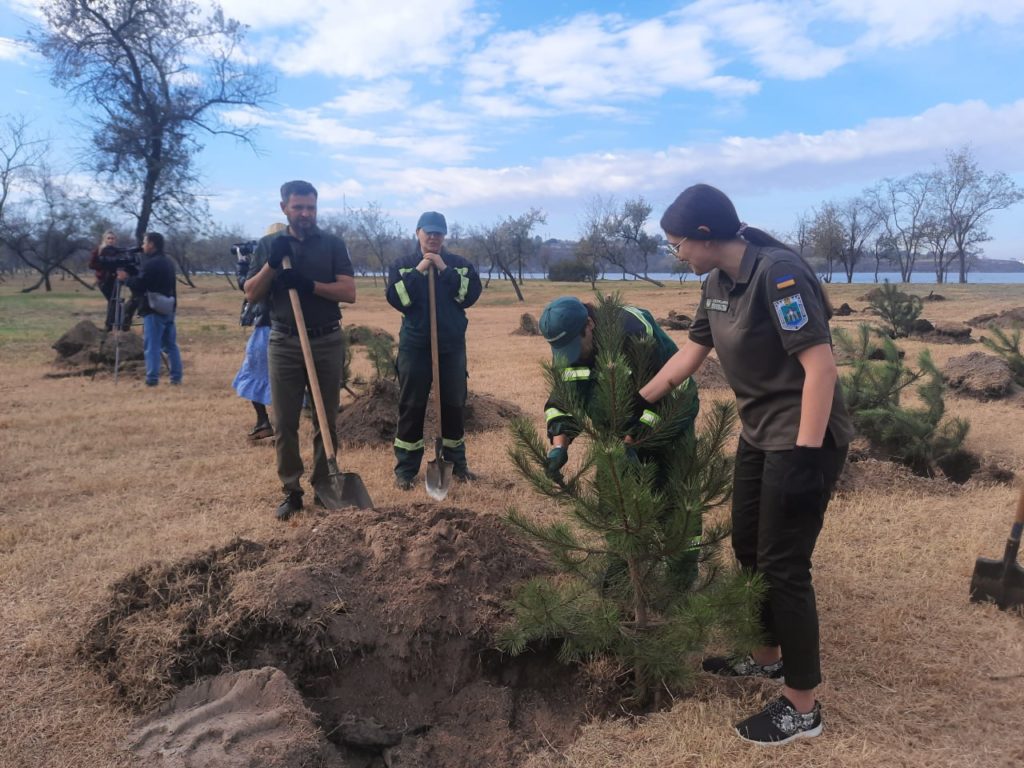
{"type": "Point", "coordinates": [757, 325]}
{"type": "Point", "coordinates": [320, 257]}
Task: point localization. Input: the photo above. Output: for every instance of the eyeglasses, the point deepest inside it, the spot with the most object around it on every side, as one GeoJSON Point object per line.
{"type": "Point", "coordinates": [673, 248]}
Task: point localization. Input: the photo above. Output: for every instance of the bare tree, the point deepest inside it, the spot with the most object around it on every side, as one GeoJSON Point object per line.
{"type": "Point", "coordinates": [49, 228]}
{"type": "Point", "coordinates": [377, 233]}
{"type": "Point", "coordinates": [801, 235]}
{"type": "Point", "coordinates": [517, 232]}
{"type": "Point", "coordinates": [968, 196]}
{"type": "Point", "coordinates": [19, 154]}
{"type": "Point", "coordinates": [632, 221]}
{"type": "Point", "coordinates": [827, 237]}
{"type": "Point", "coordinates": [152, 75]}
{"type": "Point", "coordinates": [858, 222]}
{"type": "Point", "coordinates": [902, 206]}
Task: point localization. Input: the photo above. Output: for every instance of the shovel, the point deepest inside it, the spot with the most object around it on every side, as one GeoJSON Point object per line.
{"type": "Point", "coordinates": [439, 472]}
{"type": "Point", "coordinates": [1002, 581]}
{"type": "Point", "coordinates": [342, 489]}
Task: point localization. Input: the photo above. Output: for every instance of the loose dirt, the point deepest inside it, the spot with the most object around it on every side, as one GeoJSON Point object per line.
{"type": "Point", "coordinates": [384, 621]}
{"type": "Point", "coordinates": [86, 350]}
{"type": "Point", "coordinates": [371, 419]}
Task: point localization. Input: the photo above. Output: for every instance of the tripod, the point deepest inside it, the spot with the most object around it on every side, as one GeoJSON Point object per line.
{"type": "Point", "coordinates": [118, 301]}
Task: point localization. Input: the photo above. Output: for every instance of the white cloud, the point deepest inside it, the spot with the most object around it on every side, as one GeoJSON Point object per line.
{"type": "Point", "coordinates": [12, 50]}
{"type": "Point", "coordinates": [596, 60]}
{"type": "Point", "coordinates": [912, 22]}
{"type": "Point", "coordinates": [385, 96]}
{"type": "Point", "coordinates": [361, 38]}
{"type": "Point", "coordinates": [879, 147]}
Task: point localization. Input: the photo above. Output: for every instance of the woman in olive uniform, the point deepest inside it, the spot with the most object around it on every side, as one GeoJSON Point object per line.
{"type": "Point", "coordinates": [764, 312]}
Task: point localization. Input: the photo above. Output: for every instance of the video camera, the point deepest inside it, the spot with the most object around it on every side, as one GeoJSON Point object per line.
{"type": "Point", "coordinates": [244, 249]}
{"type": "Point", "coordinates": [113, 257]}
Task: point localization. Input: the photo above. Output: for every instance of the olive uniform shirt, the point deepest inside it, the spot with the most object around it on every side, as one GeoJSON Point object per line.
{"type": "Point", "coordinates": [320, 257]}
{"type": "Point", "coordinates": [757, 325]}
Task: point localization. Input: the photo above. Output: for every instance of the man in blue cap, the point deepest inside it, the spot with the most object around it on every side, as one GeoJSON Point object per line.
{"type": "Point", "coordinates": [457, 288]}
{"type": "Point", "coordinates": [568, 326]}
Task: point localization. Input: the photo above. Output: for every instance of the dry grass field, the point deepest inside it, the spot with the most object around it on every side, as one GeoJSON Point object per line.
{"type": "Point", "coordinates": [98, 479]}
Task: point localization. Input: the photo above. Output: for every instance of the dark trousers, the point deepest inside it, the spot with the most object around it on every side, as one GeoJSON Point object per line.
{"type": "Point", "coordinates": [288, 383]}
{"type": "Point", "coordinates": [109, 288]}
{"type": "Point", "coordinates": [774, 533]}
{"type": "Point", "coordinates": [415, 375]}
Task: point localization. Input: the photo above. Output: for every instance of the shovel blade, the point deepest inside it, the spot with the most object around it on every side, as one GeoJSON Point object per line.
{"type": "Point", "coordinates": [438, 478]}
{"type": "Point", "coordinates": [343, 490]}
{"type": "Point", "coordinates": [997, 582]}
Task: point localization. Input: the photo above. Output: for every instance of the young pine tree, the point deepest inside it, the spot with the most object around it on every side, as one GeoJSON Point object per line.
{"type": "Point", "coordinates": [1007, 346]}
{"type": "Point", "coordinates": [899, 310]}
{"type": "Point", "coordinates": [920, 438]}
{"type": "Point", "coordinates": [628, 521]}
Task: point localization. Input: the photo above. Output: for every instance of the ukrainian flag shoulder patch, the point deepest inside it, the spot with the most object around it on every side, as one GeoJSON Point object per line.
{"type": "Point", "coordinates": [786, 281]}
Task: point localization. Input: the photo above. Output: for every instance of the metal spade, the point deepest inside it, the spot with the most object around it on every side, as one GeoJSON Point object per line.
{"type": "Point", "coordinates": [439, 472]}
{"type": "Point", "coordinates": [1002, 581]}
{"type": "Point", "coordinates": [342, 489]}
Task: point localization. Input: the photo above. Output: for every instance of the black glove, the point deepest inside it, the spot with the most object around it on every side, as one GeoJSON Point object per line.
{"type": "Point", "coordinates": [291, 279]}
{"type": "Point", "coordinates": [557, 457]}
{"type": "Point", "coordinates": [279, 248]}
{"type": "Point", "coordinates": [639, 406]}
{"type": "Point", "coordinates": [803, 480]}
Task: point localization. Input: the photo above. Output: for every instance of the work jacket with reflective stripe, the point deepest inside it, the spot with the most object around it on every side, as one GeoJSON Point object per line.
{"type": "Point", "coordinates": [457, 288]}
{"type": "Point", "coordinates": [636, 323]}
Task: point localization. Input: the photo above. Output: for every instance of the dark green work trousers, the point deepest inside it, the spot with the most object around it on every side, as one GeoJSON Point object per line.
{"type": "Point", "coordinates": [415, 375]}
{"type": "Point", "coordinates": [287, 384]}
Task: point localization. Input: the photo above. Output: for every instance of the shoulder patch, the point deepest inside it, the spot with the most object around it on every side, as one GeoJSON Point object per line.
{"type": "Point", "coordinates": [791, 312]}
{"type": "Point", "coordinates": [786, 281]}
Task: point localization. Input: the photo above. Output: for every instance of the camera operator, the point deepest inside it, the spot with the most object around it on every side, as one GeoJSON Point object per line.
{"type": "Point", "coordinates": [159, 333]}
{"type": "Point", "coordinates": [105, 259]}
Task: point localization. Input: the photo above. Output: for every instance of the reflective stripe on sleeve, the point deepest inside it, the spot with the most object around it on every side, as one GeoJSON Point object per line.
{"type": "Point", "coordinates": [650, 418]}
{"type": "Point", "coordinates": [576, 374]}
{"type": "Point", "coordinates": [463, 284]}
{"type": "Point", "coordinates": [452, 443]}
{"type": "Point", "coordinates": [402, 291]}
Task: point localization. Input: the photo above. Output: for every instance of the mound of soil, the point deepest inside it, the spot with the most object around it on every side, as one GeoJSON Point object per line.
{"type": "Point", "coordinates": [528, 326]}
{"type": "Point", "coordinates": [844, 310]}
{"type": "Point", "coordinates": [384, 622]}
{"type": "Point", "coordinates": [945, 333]}
{"type": "Point", "coordinates": [675, 321]}
{"type": "Point", "coordinates": [361, 334]}
{"type": "Point", "coordinates": [976, 374]}
{"type": "Point", "coordinates": [1006, 319]}
{"type": "Point", "coordinates": [371, 419]}
{"type": "Point", "coordinates": [85, 350]}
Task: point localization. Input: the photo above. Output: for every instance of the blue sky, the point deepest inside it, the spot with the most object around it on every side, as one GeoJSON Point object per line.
{"type": "Point", "coordinates": [485, 109]}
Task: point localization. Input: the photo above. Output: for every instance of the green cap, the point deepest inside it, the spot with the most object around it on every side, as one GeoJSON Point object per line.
{"type": "Point", "coordinates": [562, 323]}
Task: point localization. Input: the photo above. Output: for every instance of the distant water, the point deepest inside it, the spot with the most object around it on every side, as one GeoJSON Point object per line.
{"type": "Point", "coordinates": [978, 278]}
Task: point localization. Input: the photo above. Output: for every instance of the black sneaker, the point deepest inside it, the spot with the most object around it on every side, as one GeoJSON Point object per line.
{"type": "Point", "coordinates": [292, 503]}
{"type": "Point", "coordinates": [405, 483]}
{"type": "Point", "coordinates": [465, 476]}
{"type": "Point", "coordinates": [779, 723]}
{"type": "Point", "coordinates": [742, 666]}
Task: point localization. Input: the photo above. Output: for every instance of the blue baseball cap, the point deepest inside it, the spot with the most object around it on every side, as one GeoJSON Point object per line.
{"type": "Point", "coordinates": [562, 323]}
{"type": "Point", "coordinates": [432, 222]}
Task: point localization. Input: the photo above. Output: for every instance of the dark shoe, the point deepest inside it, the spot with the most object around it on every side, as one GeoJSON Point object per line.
{"type": "Point", "coordinates": [743, 666]}
{"type": "Point", "coordinates": [292, 503]}
{"type": "Point", "coordinates": [779, 723]}
{"type": "Point", "coordinates": [405, 483]}
{"type": "Point", "coordinates": [261, 431]}
{"type": "Point", "coordinates": [465, 476]}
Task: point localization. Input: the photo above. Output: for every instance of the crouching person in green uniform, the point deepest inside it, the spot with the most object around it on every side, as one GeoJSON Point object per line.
{"type": "Point", "coordinates": [568, 326]}
{"type": "Point", "coordinates": [457, 288]}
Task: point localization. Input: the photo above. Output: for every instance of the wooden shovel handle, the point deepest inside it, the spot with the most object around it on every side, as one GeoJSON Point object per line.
{"type": "Point", "coordinates": [1019, 519]}
{"type": "Point", "coordinates": [434, 360]}
{"type": "Point", "coordinates": [307, 356]}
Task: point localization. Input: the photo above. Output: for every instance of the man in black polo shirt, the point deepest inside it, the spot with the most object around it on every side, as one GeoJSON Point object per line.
{"type": "Point", "coordinates": [321, 273]}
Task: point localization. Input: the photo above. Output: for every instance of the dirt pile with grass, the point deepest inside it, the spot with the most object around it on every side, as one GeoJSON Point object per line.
{"type": "Point", "coordinates": [976, 374]}
{"type": "Point", "coordinates": [383, 620]}
{"type": "Point", "coordinates": [371, 418]}
{"type": "Point", "coordinates": [86, 350]}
